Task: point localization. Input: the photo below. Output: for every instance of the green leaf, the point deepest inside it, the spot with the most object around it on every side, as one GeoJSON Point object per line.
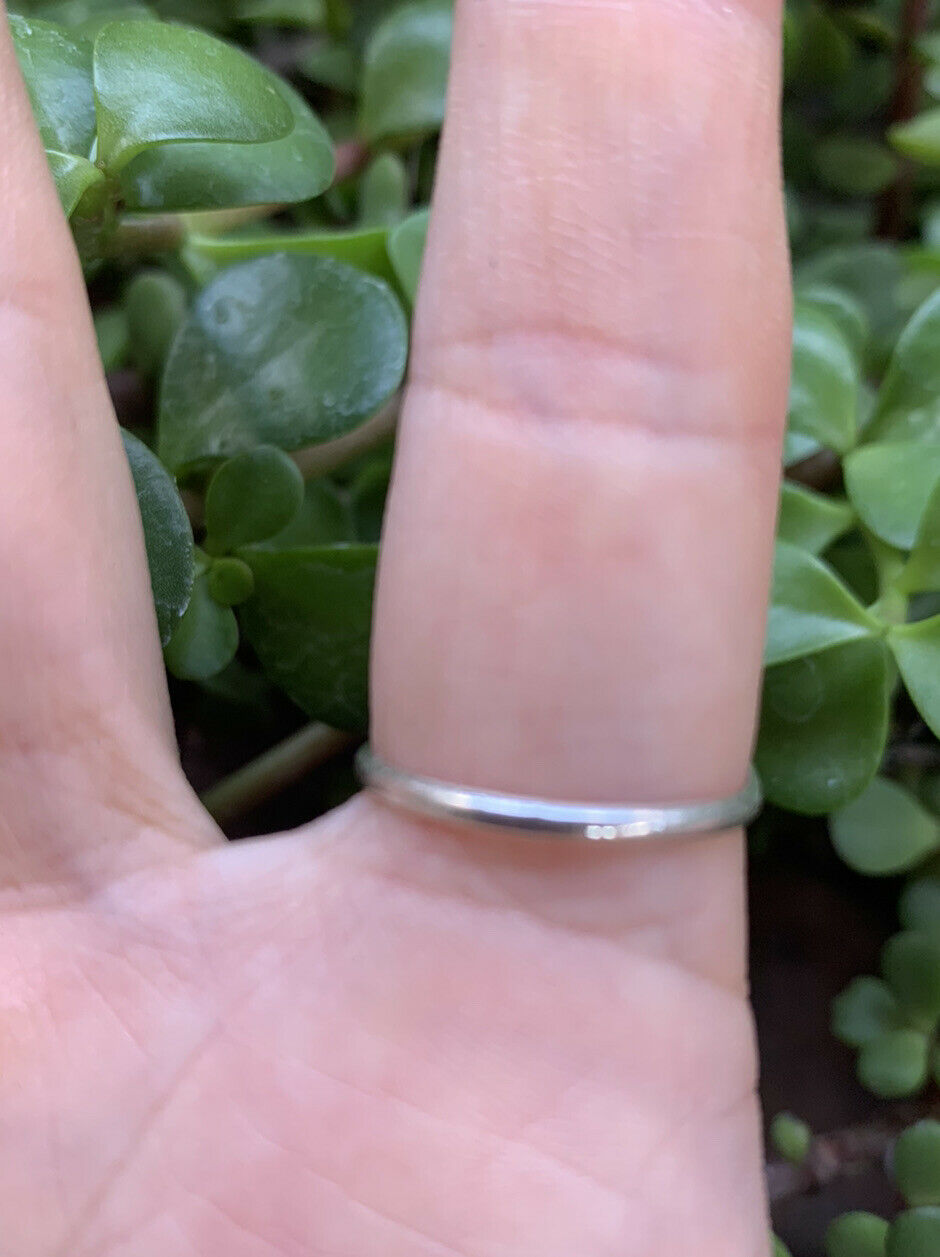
{"type": "Point", "coordinates": [919, 138]}
{"type": "Point", "coordinates": [362, 247]}
{"type": "Point", "coordinates": [231, 582]}
{"type": "Point", "coordinates": [309, 623]}
{"type": "Point", "coordinates": [155, 302]}
{"type": "Point", "coordinates": [332, 64]}
{"type": "Point", "coordinates": [824, 725]}
{"type": "Point", "coordinates": [404, 84]}
{"type": "Point", "coordinates": [303, 14]}
{"type": "Point", "coordinates": [57, 69]}
{"type": "Point", "coordinates": [780, 1249]}
{"type": "Point", "coordinates": [922, 572]}
{"type": "Point", "coordinates": [252, 497]}
{"type": "Point", "coordinates": [854, 166]}
{"type": "Point", "coordinates": [791, 1137]}
{"type": "Point", "coordinates": [910, 963]}
{"type": "Point", "coordinates": [206, 638]}
{"type": "Point", "coordinates": [917, 1163]}
{"type": "Point", "coordinates": [810, 609]}
{"type": "Point", "coordinates": [857, 1235]}
{"type": "Point", "coordinates": [74, 176]}
{"type": "Point", "coordinates": [113, 338]}
{"type": "Point", "coordinates": [825, 380]}
{"type": "Point", "coordinates": [845, 310]}
{"type": "Point", "coordinates": [203, 176]}
{"type": "Point", "coordinates": [811, 520]}
{"type": "Point", "coordinates": [866, 1009]}
{"type": "Point", "coordinates": [916, 649]}
{"type": "Point", "coordinates": [919, 905]}
{"type": "Point", "coordinates": [873, 272]}
{"type": "Point", "coordinates": [406, 250]}
{"type": "Point", "coordinates": [284, 351]}
{"type": "Point", "coordinates": [167, 534]}
{"type": "Point", "coordinates": [157, 83]}
{"type": "Point", "coordinates": [915, 1233]}
{"type": "Point", "coordinates": [884, 831]}
{"type": "Point", "coordinates": [324, 519]}
{"type": "Point", "coordinates": [383, 192]}
{"type": "Point", "coordinates": [909, 399]}
{"type": "Point", "coordinates": [890, 484]}
{"type": "Point", "coordinates": [895, 1064]}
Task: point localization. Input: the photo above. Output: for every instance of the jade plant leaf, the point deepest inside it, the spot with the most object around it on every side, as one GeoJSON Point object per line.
{"type": "Point", "coordinates": [909, 399]}
{"type": "Point", "coordinates": [845, 310]}
{"type": "Point", "coordinates": [916, 1163]}
{"type": "Point", "coordinates": [155, 302]}
{"type": "Point", "coordinates": [895, 1064]}
{"type": "Point", "coordinates": [890, 483]}
{"type": "Point", "coordinates": [854, 165]}
{"type": "Point", "coordinates": [825, 382]}
{"type": "Point", "coordinates": [206, 638]}
{"type": "Point", "coordinates": [811, 520]}
{"type": "Point", "coordinates": [857, 1235]}
{"type": "Point", "coordinates": [916, 648]}
{"type": "Point", "coordinates": [282, 350]}
{"type": "Point", "coordinates": [309, 622]}
{"type": "Point", "coordinates": [824, 724]}
{"type": "Point", "coordinates": [157, 83]}
{"type": "Point", "coordinates": [252, 497]}
{"type": "Point", "coordinates": [215, 175]}
{"type": "Point", "coordinates": [922, 571]}
{"type": "Point", "coordinates": [915, 1233]}
{"type": "Point", "coordinates": [383, 192]}
{"type": "Point", "coordinates": [884, 831]}
{"type": "Point", "coordinates": [57, 69]}
{"type": "Point", "coordinates": [325, 518]}
{"type": "Point", "coordinates": [406, 249]}
{"type": "Point", "coordinates": [910, 963]}
{"type": "Point", "coordinates": [919, 138]}
{"type": "Point", "coordinates": [866, 1009]}
{"type": "Point", "coordinates": [168, 535]}
{"type": "Point", "coordinates": [74, 176]}
{"type": "Point", "coordinates": [404, 82]}
{"type": "Point", "coordinates": [810, 608]}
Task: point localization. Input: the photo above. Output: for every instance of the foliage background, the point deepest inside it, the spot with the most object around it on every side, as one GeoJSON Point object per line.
{"type": "Point", "coordinates": [252, 262]}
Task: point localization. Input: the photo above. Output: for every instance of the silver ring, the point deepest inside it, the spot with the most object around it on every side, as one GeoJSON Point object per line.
{"type": "Point", "coordinates": [574, 821]}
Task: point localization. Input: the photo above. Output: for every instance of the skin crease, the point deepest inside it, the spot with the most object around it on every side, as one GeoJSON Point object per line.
{"type": "Point", "coordinates": [376, 1036]}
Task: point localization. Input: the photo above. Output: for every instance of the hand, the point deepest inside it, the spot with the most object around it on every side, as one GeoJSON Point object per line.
{"type": "Point", "coordinates": [377, 1038]}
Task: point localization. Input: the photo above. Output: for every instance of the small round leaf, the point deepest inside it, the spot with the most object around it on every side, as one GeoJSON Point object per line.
{"type": "Point", "coordinates": [866, 1009]}
{"type": "Point", "coordinates": [910, 962]}
{"type": "Point", "coordinates": [282, 350]}
{"type": "Point", "coordinates": [155, 303]}
{"type": "Point", "coordinates": [915, 1233]}
{"type": "Point", "coordinates": [895, 1064]}
{"type": "Point", "coordinates": [917, 1163]}
{"type": "Point", "coordinates": [825, 381]}
{"type": "Point", "coordinates": [791, 1137]}
{"type": "Point", "coordinates": [252, 497]}
{"type": "Point", "coordinates": [206, 638]}
{"type": "Point", "coordinates": [890, 484]}
{"type": "Point", "coordinates": [231, 582]}
{"type": "Point", "coordinates": [404, 84]}
{"type": "Point", "coordinates": [884, 831]}
{"type": "Point", "coordinates": [857, 1235]}
{"type": "Point", "coordinates": [810, 608]}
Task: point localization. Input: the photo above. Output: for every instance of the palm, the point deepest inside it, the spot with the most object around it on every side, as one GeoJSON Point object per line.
{"type": "Point", "coordinates": [377, 1037]}
{"type": "Point", "coordinates": [321, 1045]}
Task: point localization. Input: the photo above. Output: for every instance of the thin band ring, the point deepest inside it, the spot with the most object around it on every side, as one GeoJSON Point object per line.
{"type": "Point", "coordinates": [584, 822]}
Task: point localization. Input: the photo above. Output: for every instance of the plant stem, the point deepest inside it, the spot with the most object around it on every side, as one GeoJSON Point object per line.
{"type": "Point", "coordinates": [275, 770]}
{"type": "Point", "coordinates": [908, 82]}
{"type": "Point", "coordinates": [164, 233]}
{"type": "Point", "coordinates": [319, 460]}
{"type": "Point", "coordinates": [844, 1153]}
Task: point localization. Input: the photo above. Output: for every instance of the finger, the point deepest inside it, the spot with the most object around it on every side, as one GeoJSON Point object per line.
{"type": "Point", "coordinates": [576, 562]}
{"type": "Point", "coordinates": [86, 744]}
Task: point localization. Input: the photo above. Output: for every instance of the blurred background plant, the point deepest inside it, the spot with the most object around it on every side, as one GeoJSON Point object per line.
{"type": "Point", "coordinates": [251, 232]}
